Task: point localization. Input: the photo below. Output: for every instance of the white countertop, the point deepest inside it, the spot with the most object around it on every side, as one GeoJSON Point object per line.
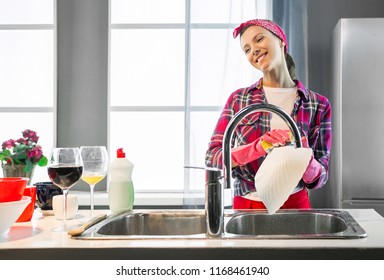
{"type": "Point", "coordinates": [38, 235]}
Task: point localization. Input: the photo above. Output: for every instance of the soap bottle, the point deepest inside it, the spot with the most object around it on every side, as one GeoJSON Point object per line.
{"type": "Point", "coordinates": [120, 191]}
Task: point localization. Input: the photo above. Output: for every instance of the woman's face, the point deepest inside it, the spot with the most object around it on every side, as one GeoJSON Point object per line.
{"type": "Point", "coordinates": [263, 49]}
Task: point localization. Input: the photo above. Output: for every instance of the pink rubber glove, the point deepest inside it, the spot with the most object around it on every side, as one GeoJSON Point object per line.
{"type": "Point", "coordinates": [313, 171]}
{"type": "Point", "coordinates": [247, 153]}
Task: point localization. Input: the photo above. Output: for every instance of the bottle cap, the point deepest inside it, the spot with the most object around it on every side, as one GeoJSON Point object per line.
{"type": "Point", "coordinates": [120, 153]}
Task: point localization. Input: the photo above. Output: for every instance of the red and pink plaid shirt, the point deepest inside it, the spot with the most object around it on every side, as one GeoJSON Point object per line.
{"type": "Point", "coordinates": [311, 112]}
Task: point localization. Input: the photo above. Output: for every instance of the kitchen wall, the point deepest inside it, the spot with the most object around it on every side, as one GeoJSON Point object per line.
{"type": "Point", "coordinates": [82, 74]}
{"type": "Point", "coordinates": [309, 25]}
{"type": "Point", "coordinates": [322, 18]}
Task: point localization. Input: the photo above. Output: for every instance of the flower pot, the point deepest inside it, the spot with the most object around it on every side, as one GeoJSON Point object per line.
{"type": "Point", "coordinates": [17, 170]}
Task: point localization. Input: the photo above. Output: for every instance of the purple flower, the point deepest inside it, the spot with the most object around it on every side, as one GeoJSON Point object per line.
{"type": "Point", "coordinates": [22, 141]}
{"type": "Point", "coordinates": [8, 144]}
{"type": "Point", "coordinates": [35, 153]}
{"type": "Point", "coordinates": [31, 135]}
{"type": "Point", "coordinates": [23, 151]}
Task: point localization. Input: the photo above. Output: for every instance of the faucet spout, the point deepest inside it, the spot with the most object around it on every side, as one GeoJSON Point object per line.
{"type": "Point", "coordinates": [214, 198]}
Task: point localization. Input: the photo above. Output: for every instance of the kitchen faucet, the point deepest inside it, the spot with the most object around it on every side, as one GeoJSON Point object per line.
{"type": "Point", "coordinates": [214, 191]}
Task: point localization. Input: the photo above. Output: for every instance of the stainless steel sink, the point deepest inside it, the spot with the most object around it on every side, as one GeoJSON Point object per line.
{"type": "Point", "coordinates": [302, 224]}
{"type": "Point", "coordinates": [251, 224]}
{"type": "Point", "coordinates": [149, 224]}
{"type": "Point", "coordinates": [155, 223]}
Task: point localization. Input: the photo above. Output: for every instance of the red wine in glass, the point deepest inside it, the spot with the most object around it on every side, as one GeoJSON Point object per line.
{"type": "Point", "coordinates": [65, 168]}
{"type": "Point", "coordinates": [65, 176]}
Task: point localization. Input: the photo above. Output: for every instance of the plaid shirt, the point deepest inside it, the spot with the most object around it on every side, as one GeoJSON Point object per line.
{"type": "Point", "coordinates": [311, 113]}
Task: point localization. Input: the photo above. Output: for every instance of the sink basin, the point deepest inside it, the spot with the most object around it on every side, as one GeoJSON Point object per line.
{"type": "Point", "coordinates": [155, 224]}
{"type": "Point", "coordinates": [295, 224]}
{"type": "Point", "coordinates": [251, 224]}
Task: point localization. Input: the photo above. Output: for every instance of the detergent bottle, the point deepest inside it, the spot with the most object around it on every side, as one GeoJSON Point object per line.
{"type": "Point", "coordinates": [120, 189]}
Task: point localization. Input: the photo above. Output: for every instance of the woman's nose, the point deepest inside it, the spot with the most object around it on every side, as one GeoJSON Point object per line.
{"type": "Point", "coordinates": [256, 52]}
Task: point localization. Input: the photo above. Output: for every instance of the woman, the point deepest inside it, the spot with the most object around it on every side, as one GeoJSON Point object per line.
{"type": "Point", "coordinates": [266, 48]}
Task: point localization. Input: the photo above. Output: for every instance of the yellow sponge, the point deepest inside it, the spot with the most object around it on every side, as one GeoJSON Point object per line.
{"type": "Point", "coordinates": [268, 146]}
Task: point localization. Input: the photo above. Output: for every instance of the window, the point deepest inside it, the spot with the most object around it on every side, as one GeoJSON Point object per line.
{"type": "Point", "coordinates": [27, 72]}
{"type": "Point", "coordinates": [173, 64]}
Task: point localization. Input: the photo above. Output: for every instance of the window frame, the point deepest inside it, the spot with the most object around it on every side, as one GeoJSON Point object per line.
{"type": "Point", "coordinates": [187, 108]}
{"type": "Point", "coordinates": [36, 109]}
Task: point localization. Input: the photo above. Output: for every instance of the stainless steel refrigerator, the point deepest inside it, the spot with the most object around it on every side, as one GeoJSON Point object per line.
{"type": "Point", "coordinates": [357, 163]}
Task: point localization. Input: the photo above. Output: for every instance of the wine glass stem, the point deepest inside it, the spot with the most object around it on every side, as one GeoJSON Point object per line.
{"type": "Point", "coordinates": [92, 203]}
{"type": "Point", "coordinates": [65, 205]}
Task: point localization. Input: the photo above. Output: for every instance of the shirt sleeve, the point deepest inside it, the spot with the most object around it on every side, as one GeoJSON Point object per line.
{"type": "Point", "coordinates": [213, 157]}
{"type": "Point", "coordinates": [323, 142]}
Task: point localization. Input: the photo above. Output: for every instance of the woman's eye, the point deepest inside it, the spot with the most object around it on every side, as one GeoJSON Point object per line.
{"type": "Point", "coordinates": [246, 51]}
{"type": "Point", "coordinates": [259, 39]}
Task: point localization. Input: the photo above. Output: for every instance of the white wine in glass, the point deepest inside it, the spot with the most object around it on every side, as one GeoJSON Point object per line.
{"type": "Point", "coordinates": [95, 159]}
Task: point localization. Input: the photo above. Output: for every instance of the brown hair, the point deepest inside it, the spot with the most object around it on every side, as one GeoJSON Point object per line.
{"type": "Point", "coordinates": [291, 66]}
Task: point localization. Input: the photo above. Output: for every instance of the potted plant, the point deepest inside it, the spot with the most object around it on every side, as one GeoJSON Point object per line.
{"type": "Point", "coordinates": [19, 157]}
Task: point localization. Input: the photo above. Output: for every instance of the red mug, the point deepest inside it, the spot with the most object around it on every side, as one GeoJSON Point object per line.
{"type": "Point", "coordinates": [26, 216]}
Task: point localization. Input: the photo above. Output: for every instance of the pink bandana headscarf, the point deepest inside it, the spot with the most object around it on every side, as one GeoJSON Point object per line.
{"type": "Point", "coordinates": [267, 24]}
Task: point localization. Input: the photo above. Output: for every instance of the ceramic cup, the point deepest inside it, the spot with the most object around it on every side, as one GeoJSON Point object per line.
{"type": "Point", "coordinates": [44, 192]}
{"type": "Point", "coordinates": [58, 207]}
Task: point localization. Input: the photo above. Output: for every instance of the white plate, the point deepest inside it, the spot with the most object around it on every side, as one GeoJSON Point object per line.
{"type": "Point", "coordinates": [279, 174]}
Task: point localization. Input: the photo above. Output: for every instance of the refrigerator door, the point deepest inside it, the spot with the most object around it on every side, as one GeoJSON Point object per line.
{"type": "Point", "coordinates": [358, 110]}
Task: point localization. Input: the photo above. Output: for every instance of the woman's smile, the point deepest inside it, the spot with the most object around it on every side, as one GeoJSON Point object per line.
{"type": "Point", "coordinates": [261, 57]}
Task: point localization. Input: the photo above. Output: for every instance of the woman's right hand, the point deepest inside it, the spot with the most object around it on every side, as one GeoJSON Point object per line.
{"type": "Point", "coordinates": [275, 138]}
{"type": "Point", "coordinates": [247, 153]}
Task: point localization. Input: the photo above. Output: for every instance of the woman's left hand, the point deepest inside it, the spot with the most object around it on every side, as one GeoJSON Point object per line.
{"type": "Point", "coordinates": [314, 169]}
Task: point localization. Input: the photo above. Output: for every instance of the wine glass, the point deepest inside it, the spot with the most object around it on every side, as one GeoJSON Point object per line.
{"type": "Point", "coordinates": [65, 168]}
{"type": "Point", "coordinates": [96, 161]}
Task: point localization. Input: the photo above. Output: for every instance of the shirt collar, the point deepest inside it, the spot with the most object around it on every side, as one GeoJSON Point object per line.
{"type": "Point", "coordinates": [300, 87]}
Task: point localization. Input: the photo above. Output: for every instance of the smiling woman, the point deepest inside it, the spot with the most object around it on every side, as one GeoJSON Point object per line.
{"type": "Point", "coordinates": [266, 47]}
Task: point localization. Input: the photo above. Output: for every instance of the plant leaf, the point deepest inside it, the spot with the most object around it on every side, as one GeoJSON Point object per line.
{"type": "Point", "coordinates": [43, 161]}
{"type": "Point", "coordinates": [28, 166]}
